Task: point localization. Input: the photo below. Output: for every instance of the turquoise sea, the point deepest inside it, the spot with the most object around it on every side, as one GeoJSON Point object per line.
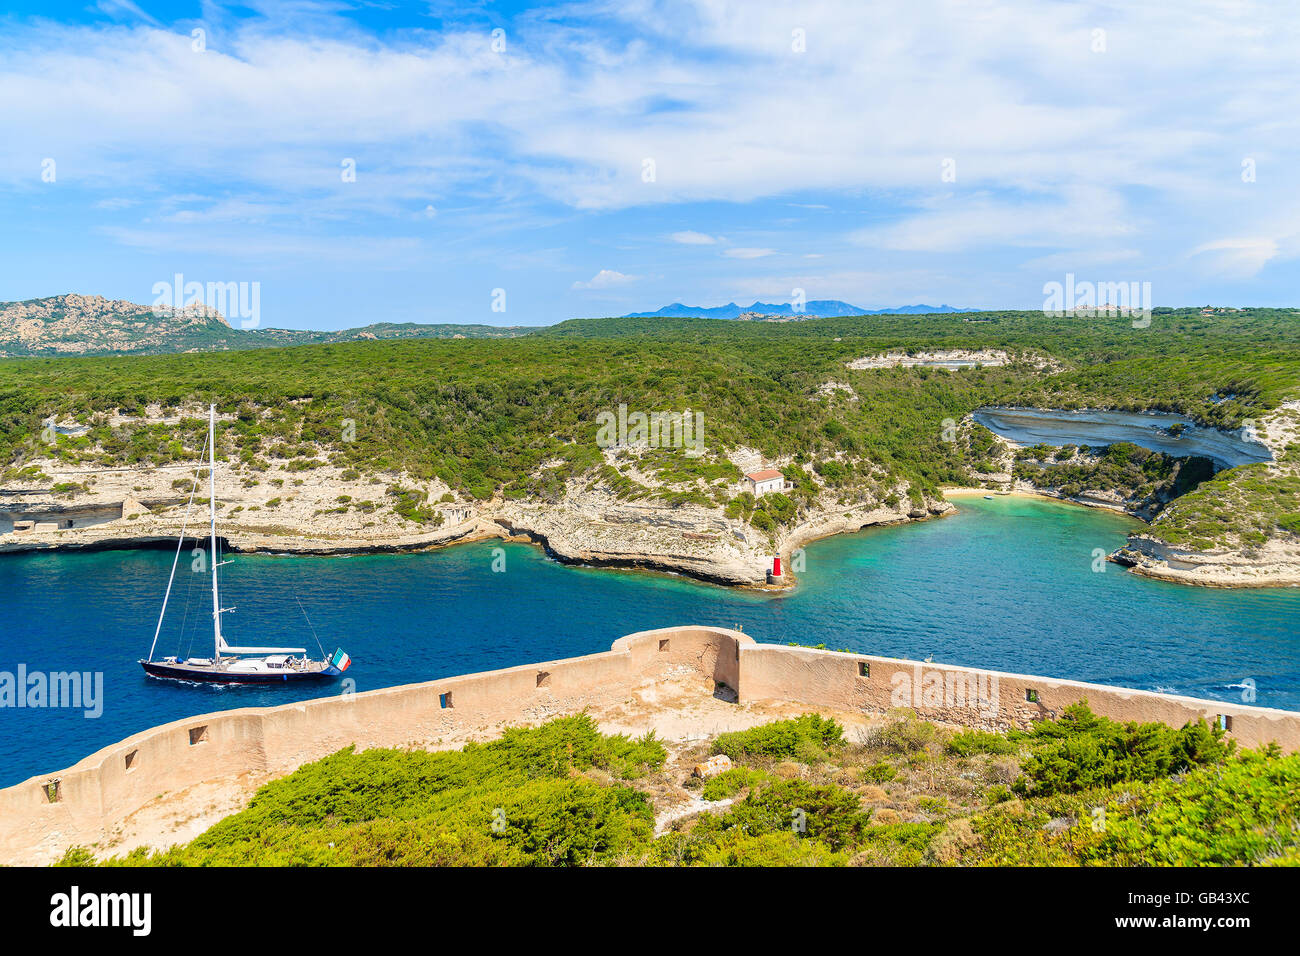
{"type": "Point", "coordinates": [1006, 584]}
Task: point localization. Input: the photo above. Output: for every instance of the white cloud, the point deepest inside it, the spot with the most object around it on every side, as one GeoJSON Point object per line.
{"type": "Point", "coordinates": [748, 253]}
{"type": "Point", "coordinates": [1237, 258]}
{"type": "Point", "coordinates": [965, 221]}
{"type": "Point", "coordinates": [1143, 154]}
{"type": "Point", "coordinates": [124, 9]}
{"type": "Point", "coordinates": [604, 279]}
{"type": "Point", "coordinates": [378, 252]}
{"type": "Point", "coordinates": [991, 86]}
{"type": "Point", "coordinates": [692, 238]}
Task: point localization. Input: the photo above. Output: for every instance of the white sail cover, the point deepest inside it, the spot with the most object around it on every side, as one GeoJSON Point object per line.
{"type": "Point", "coordinates": [264, 650]}
{"type": "Point", "coordinates": [227, 649]}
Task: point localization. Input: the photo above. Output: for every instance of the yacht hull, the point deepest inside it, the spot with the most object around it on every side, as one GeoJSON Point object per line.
{"type": "Point", "coordinates": [210, 675]}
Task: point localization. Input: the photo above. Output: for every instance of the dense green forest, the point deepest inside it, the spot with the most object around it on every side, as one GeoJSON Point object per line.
{"type": "Point", "coordinates": [518, 416]}
{"type": "Point", "coordinates": [1078, 790]}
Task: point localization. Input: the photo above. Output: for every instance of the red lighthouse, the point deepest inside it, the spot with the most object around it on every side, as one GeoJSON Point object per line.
{"type": "Point", "coordinates": [776, 565]}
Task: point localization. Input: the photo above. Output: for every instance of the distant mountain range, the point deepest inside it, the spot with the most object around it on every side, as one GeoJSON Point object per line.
{"type": "Point", "coordinates": [819, 308]}
{"type": "Point", "coordinates": [92, 325]}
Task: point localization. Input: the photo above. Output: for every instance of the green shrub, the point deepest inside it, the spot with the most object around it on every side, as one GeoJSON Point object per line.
{"type": "Point", "coordinates": [522, 799]}
{"type": "Point", "coordinates": [1080, 751]}
{"type": "Point", "coordinates": [881, 772]}
{"type": "Point", "coordinates": [998, 793]}
{"type": "Point", "coordinates": [782, 739]}
{"type": "Point", "coordinates": [905, 733]}
{"type": "Point", "coordinates": [969, 742]}
{"type": "Point", "coordinates": [1243, 811]}
{"type": "Point", "coordinates": [826, 813]}
{"type": "Point", "coordinates": [731, 782]}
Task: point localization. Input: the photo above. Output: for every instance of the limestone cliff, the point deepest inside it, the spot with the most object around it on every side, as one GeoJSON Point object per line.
{"type": "Point", "coordinates": [315, 506]}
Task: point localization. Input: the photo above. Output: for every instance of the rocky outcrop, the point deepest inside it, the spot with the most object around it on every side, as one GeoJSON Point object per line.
{"type": "Point", "coordinates": [596, 529]}
{"type": "Point", "coordinates": [950, 359]}
{"type": "Point", "coordinates": [1276, 563]}
{"type": "Point", "coordinates": [1159, 431]}
{"type": "Point", "coordinates": [90, 324]}
{"type": "Point", "coordinates": [589, 527]}
{"type": "Point", "coordinates": [76, 324]}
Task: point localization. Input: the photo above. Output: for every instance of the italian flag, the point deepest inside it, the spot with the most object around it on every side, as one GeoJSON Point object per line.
{"type": "Point", "coordinates": [341, 660]}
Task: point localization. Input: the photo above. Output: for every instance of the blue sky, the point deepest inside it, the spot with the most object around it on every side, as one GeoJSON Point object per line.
{"type": "Point", "coordinates": [884, 154]}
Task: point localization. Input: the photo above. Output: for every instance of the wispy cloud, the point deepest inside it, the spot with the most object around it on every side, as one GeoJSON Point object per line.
{"type": "Point", "coordinates": [605, 279]}
{"type": "Point", "coordinates": [962, 221]}
{"type": "Point", "coordinates": [1237, 258]}
{"type": "Point", "coordinates": [691, 238]}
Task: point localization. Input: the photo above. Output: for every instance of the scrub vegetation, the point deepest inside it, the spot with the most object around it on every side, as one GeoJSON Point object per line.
{"type": "Point", "coordinates": [1077, 790]}
{"type": "Point", "coordinates": [1133, 472]}
{"type": "Point", "coordinates": [517, 417]}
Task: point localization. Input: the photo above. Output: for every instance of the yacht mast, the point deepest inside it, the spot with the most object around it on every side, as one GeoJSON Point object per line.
{"type": "Point", "coordinates": [212, 513]}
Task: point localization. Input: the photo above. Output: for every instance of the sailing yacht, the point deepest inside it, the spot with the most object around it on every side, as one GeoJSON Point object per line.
{"type": "Point", "coordinates": [229, 664]}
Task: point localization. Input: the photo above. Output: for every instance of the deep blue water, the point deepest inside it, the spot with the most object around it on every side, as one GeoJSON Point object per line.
{"type": "Point", "coordinates": [1006, 584]}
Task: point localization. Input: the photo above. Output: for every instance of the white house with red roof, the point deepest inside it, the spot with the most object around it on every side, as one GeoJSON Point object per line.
{"type": "Point", "coordinates": [761, 482]}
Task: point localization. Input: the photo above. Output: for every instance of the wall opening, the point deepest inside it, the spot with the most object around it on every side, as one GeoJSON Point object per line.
{"type": "Point", "coordinates": [198, 734]}
{"type": "Point", "coordinates": [444, 700]}
{"type": "Point", "coordinates": [864, 668]}
{"type": "Point", "coordinates": [543, 678]}
{"type": "Point", "coordinates": [130, 759]}
{"type": "Point", "coordinates": [663, 645]}
{"type": "Point", "coordinates": [1225, 722]}
{"type": "Point", "coordinates": [54, 791]}
{"type": "Point", "coordinates": [1031, 695]}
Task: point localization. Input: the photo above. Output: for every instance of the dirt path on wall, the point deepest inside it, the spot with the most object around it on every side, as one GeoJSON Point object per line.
{"type": "Point", "coordinates": [679, 707]}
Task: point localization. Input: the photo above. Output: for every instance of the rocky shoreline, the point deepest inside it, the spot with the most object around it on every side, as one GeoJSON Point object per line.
{"type": "Point", "coordinates": [330, 514]}
{"type": "Point", "coordinates": [1275, 565]}
{"type": "Point", "coordinates": [745, 568]}
{"type": "Point", "coordinates": [323, 509]}
{"type": "Point", "coordinates": [600, 531]}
